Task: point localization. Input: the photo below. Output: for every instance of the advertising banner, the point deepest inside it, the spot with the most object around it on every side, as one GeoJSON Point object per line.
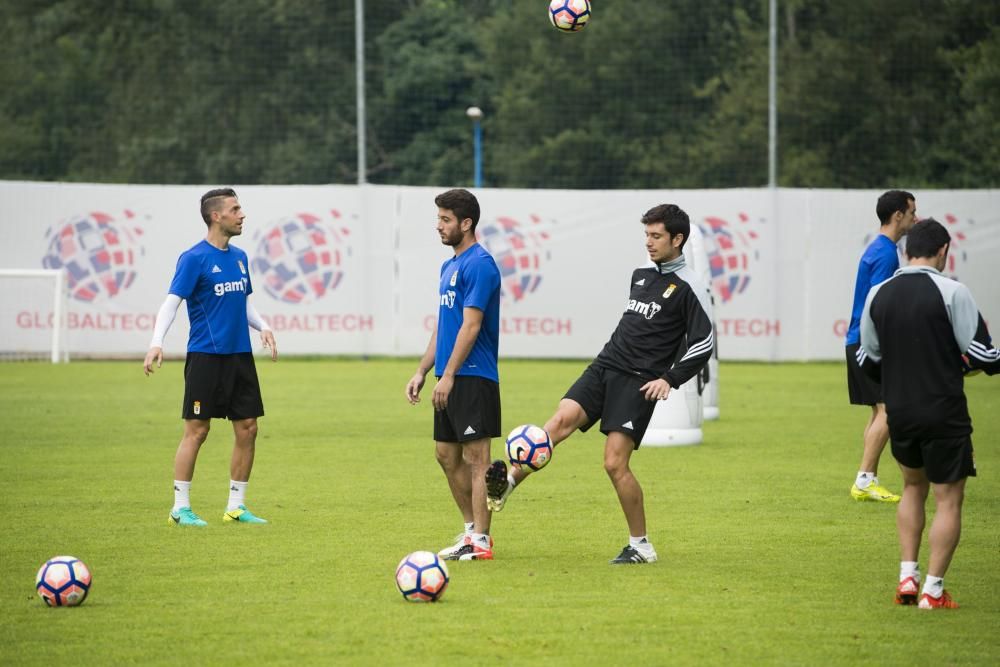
{"type": "Point", "coordinates": [353, 270]}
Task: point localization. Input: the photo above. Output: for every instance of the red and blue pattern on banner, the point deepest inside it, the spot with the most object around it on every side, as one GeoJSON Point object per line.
{"type": "Point", "coordinates": [518, 248]}
{"type": "Point", "coordinates": [97, 253]}
{"type": "Point", "coordinates": [299, 258]}
{"type": "Point", "coordinates": [731, 253]}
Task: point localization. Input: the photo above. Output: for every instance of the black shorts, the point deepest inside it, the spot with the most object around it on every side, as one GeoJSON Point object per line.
{"type": "Point", "coordinates": [944, 460]}
{"type": "Point", "coordinates": [473, 411]}
{"type": "Point", "coordinates": [615, 399]}
{"type": "Point", "coordinates": [221, 385]}
{"type": "Point", "coordinates": [862, 389]}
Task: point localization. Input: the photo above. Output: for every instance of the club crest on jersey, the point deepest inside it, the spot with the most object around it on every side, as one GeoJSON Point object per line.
{"type": "Point", "coordinates": [243, 269]}
{"type": "Point", "coordinates": [669, 291]}
{"type": "Point", "coordinates": [647, 310]}
{"type": "Point", "coordinates": [454, 278]}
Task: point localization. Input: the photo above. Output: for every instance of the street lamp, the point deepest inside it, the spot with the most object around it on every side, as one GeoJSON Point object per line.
{"type": "Point", "coordinates": [475, 113]}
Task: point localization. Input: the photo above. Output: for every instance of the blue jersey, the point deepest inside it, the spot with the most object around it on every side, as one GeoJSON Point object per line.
{"type": "Point", "coordinates": [878, 264]}
{"type": "Point", "coordinates": [215, 283]}
{"type": "Point", "coordinates": [470, 280]}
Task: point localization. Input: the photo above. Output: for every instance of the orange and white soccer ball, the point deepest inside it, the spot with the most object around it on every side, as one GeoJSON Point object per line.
{"type": "Point", "coordinates": [63, 581]}
{"type": "Point", "coordinates": [569, 15]}
{"type": "Point", "coordinates": [422, 577]}
{"type": "Point", "coordinates": [529, 446]}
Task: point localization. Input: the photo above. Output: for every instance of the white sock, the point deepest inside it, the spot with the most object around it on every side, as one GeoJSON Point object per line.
{"type": "Point", "coordinates": [481, 539]}
{"type": "Point", "coordinates": [237, 493]}
{"type": "Point", "coordinates": [469, 526]}
{"type": "Point", "coordinates": [934, 586]}
{"type": "Point", "coordinates": [909, 568]}
{"type": "Point", "coordinates": [864, 479]}
{"type": "Point", "coordinates": [511, 483]}
{"type": "Point", "coordinates": [640, 543]}
{"type": "Point", "coordinates": [182, 495]}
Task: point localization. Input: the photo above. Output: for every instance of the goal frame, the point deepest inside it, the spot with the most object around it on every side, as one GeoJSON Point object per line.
{"type": "Point", "coordinates": [58, 346]}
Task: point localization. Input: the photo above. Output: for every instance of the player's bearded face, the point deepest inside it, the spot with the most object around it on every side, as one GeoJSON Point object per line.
{"type": "Point", "coordinates": [449, 228]}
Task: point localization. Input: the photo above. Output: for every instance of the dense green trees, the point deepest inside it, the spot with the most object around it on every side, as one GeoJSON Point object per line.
{"type": "Point", "coordinates": [652, 94]}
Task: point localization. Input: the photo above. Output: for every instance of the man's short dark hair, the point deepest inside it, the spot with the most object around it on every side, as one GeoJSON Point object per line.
{"type": "Point", "coordinates": [460, 202]}
{"type": "Point", "coordinates": [926, 238]}
{"type": "Point", "coordinates": [674, 220]}
{"type": "Point", "coordinates": [892, 201]}
{"type": "Point", "coordinates": [211, 200]}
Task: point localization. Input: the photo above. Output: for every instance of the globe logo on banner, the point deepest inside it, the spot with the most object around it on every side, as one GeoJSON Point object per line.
{"type": "Point", "coordinates": [299, 259]}
{"type": "Point", "coordinates": [731, 254]}
{"type": "Point", "coordinates": [519, 250]}
{"type": "Point", "coordinates": [97, 252]}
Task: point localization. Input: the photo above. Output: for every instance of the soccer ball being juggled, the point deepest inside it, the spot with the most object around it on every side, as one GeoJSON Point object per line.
{"type": "Point", "coordinates": [422, 577]}
{"type": "Point", "coordinates": [63, 581]}
{"type": "Point", "coordinates": [569, 15]}
{"type": "Point", "coordinates": [529, 446]}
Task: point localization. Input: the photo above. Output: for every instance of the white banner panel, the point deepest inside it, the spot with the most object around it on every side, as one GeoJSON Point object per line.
{"type": "Point", "coordinates": [353, 269]}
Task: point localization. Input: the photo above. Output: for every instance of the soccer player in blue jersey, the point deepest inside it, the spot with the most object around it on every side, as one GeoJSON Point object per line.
{"type": "Point", "coordinates": [220, 378]}
{"type": "Point", "coordinates": [896, 211]}
{"type": "Point", "coordinates": [463, 352]}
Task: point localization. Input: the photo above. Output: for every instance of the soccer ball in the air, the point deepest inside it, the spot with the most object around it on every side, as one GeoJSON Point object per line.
{"type": "Point", "coordinates": [569, 15]}
{"type": "Point", "coordinates": [529, 445]}
{"type": "Point", "coordinates": [63, 581]}
{"type": "Point", "coordinates": [422, 577]}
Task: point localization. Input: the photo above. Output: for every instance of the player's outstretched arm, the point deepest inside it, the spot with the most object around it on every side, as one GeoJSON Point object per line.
{"type": "Point", "coordinates": [164, 318]}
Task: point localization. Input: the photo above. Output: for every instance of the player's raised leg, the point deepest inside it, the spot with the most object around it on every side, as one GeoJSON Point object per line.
{"type": "Point", "coordinates": [195, 433]}
{"type": "Point", "coordinates": [500, 483]}
{"type": "Point", "coordinates": [240, 466]}
{"type": "Point", "coordinates": [617, 453]}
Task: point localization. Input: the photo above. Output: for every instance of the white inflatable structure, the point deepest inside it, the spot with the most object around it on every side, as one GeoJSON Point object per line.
{"type": "Point", "coordinates": [678, 420]}
{"type": "Point", "coordinates": [696, 254]}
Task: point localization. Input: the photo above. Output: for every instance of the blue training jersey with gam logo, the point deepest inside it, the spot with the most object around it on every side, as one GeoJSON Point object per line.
{"type": "Point", "coordinates": [471, 279]}
{"type": "Point", "coordinates": [877, 264]}
{"type": "Point", "coordinates": [215, 284]}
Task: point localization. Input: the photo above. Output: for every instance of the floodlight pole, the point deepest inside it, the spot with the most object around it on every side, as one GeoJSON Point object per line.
{"type": "Point", "coordinates": [359, 75]}
{"type": "Point", "coordinates": [475, 113]}
{"type": "Point", "coordinates": [772, 96]}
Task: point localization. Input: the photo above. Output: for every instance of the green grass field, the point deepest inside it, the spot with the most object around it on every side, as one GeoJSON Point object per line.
{"type": "Point", "coordinates": [764, 558]}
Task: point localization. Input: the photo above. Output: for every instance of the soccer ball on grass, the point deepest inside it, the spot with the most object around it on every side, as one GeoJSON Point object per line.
{"type": "Point", "coordinates": [63, 581]}
{"type": "Point", "coordinates": [529, 446]}
{"type": "Point", "coordinates": [422, 577]}
{"type": "Point", "coordinates": [569, 15]}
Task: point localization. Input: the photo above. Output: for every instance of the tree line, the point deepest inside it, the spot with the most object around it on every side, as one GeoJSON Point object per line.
{"type": "Point", "coordinates": [652, 94]}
